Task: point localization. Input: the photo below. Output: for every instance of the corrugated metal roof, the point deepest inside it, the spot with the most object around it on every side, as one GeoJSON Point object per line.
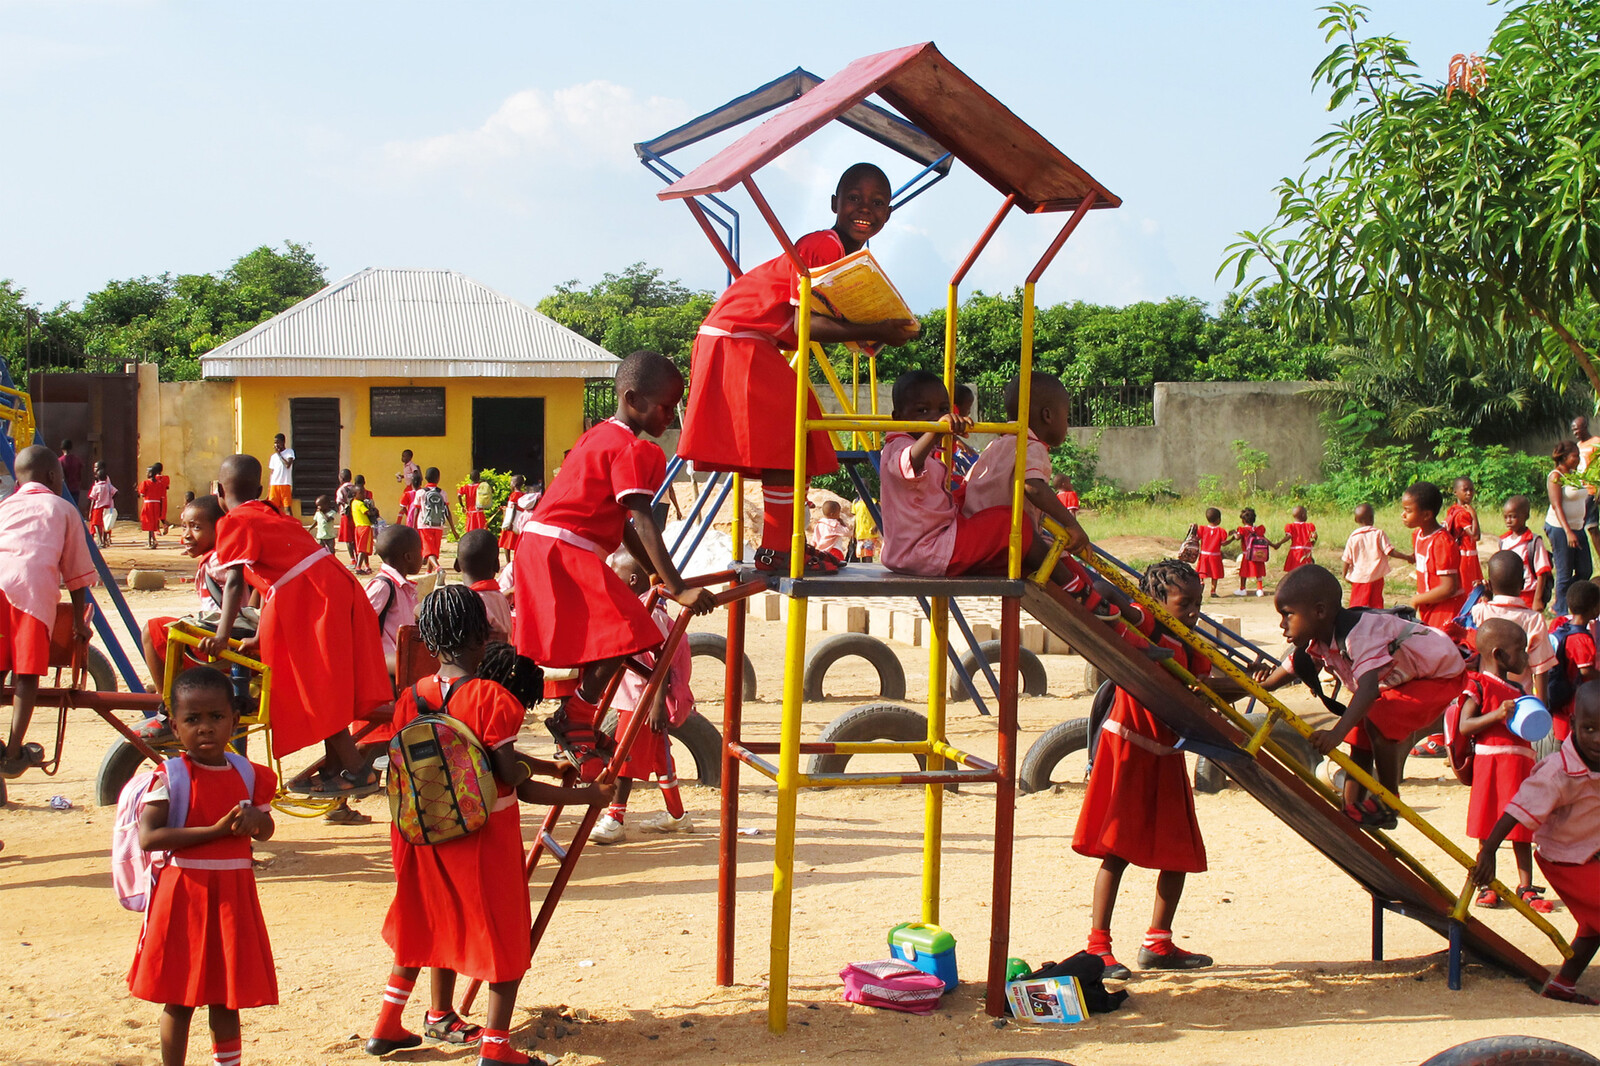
{"type": "Point", "coordinates": [409, 324]}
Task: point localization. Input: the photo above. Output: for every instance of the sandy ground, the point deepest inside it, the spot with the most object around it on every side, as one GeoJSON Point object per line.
{"type": "Point", "coordinates": [632, 945]}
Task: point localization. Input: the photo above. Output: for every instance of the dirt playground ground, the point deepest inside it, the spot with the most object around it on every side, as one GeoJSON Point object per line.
{"type": "Point", "coordinates": [632, 944]}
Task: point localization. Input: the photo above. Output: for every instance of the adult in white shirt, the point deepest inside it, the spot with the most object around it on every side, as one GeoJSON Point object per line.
{"type": "Point", "coordinates": [1563, 523]}
{"type": "Point", "coordinates": [1588, 444]}
{"type": "Point", "coordinates": [280, 476]}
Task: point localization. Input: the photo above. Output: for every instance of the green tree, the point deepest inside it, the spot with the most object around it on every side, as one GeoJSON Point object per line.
{"type": "Point", "coordinates": [1448, 214]}
{"type": "Point", "coordinates": [635, 309]}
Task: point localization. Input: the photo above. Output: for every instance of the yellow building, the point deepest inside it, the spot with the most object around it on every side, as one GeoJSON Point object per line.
{"type": "Point", "coordinates": [426, 360]}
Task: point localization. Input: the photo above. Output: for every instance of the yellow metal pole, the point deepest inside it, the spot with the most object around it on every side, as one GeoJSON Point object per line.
{"type": "Point", "coordinates": [802, 392]}
{"type": "Point", "coordinates": [1024, 399]}
{"type": "Point", "coordinates": [855, 392]}
{"type": "Point", "coordinates": [933, 794]}
{"type": "Point", "coordinates": [738, 518]}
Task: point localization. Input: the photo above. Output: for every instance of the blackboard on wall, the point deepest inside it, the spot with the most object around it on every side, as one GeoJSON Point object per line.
{"type": "Point", "coordinates": [407, 411]}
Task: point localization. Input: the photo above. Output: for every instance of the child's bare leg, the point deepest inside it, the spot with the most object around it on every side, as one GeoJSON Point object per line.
{"type": "Point", "coordinates": [1523, 852]}
{"type": "Point", "coordinates": [442, 985]}
{"type": "Point", "coordinates": [225, 1034]}
{"type": "Point", "coordinates": [1389, 756]}
{"type": "Point", "coordinates": [340, 749]}
{"type": "Point", "coordinates": [1169, 890]}
{"type": "Point", "coordinates": [1583, 950]}
{"type": "Point", "coordinates": [27, 686]}
{"type": "Point", "coordinates": [153, 662]}
{"type": "Point", "coordinates": [496, 1043]}
{"type": "Point", "coordinates": [1354, 792]}
{"type": "Point", "coordinates": [1106, 884]}
{"type": "Point", "coordinates": [1158, 952]}
{"type": "Point", "coordinates": [175, 1019]}
{"type": "Point", "coordinates": [619, 805]}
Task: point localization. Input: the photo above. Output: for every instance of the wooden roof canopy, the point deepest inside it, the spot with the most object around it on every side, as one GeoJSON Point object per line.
{"type": "Point", "coordinates": [944, 103]}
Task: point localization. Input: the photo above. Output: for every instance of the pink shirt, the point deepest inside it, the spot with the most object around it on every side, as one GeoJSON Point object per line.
{"type": "Point", "coordinates": [102, 494]}
{"type": "Point", "coordinates": [680, 697]}
{"type": "Point", "coordinates": [1560, 802]}
{"type": "Point", "coordinates": [989, 481]}
{"type": "Point", "coordinates": [391, 582]}
{"type": "Point", "coordinates": [497, 607]}
{"type": "Point", "coordinates": [919, 514]}
{"type": "Point", "coordinates": [1374, 644]}
{"type": "Point", "coordinates": [830, 533]}
{"type": "Point", "coordinates": [42, 547]}
{"type": "Point", "coordinates": [1540, 655]}
{"type": "Point", "coordinates": [1367, 552]}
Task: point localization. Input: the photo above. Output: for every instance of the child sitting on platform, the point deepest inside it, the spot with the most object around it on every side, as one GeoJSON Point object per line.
{"type": "Point", "coordinates": [1501, 760]}
{"type": "Point", "coordinates": [42, 548]}
{"type": "Point", "coordinates": [477, 558]}
{"type": "Point", "coordinates": [572, 611]}
{"type": "Point", "coordinates": [652, 748]}
{"type": "Point", "coordinates": [831, 533]}
{"type": "Point", "coordinates": [1530, 547]}
{"type": "Point", "coordinates": [197, 523]}
{"type": "Point", "coordinates": [1560, 802]}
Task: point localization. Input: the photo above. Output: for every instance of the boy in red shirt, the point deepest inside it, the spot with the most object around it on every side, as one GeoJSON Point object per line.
{"type": "Point", "coordinates": [572, 610]}
{"type": "Point", "coordinates": [1434, 553]}
{"type": "Point", "coordinates": [1066, 494]}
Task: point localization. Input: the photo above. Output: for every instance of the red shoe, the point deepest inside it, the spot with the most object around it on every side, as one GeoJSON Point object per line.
{"type": "Point", "coordinates": [1533, 896]}
{"type": "Point", "coordinates": [773, 561]}
{"type": "Point", "coordinates": [1558, 990]}
{"type": "Point", "coordinates": [1488, 898]}
{"type": "Point", "coordinates": [1432, 747]}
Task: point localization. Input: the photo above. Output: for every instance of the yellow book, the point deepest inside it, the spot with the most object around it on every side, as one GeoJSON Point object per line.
{"type": "Point", "coordinates": [856, 289]}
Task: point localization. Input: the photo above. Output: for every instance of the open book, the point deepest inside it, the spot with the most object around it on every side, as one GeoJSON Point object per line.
{"type": "Point", "coordinates": [856, 289]}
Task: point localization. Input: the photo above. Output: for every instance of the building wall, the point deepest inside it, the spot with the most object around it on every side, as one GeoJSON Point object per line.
{"type": "Point", "coordinates": [187, 426]}
{"type": "Point", "coordinates": [261, 409]}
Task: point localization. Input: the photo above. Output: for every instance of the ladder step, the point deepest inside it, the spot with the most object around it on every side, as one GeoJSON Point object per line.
{"type": "Point", "coordinates": [552, 847]}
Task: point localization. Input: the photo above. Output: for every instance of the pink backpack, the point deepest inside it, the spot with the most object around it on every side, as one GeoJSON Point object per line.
{"type": "Point", "coordinates": [132, 868]}
{"type": "Point", "coordinates": [892, 984]}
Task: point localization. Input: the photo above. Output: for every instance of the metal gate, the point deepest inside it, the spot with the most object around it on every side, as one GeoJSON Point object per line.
{"type": "Point", "coordinates": [314, 430]}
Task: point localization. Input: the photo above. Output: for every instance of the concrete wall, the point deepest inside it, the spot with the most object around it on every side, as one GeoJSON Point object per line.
{"type": "Point", "coordinates": [187, 426]}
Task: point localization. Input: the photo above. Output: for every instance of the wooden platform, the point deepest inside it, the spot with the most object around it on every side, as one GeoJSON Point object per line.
{"type": "Point", "coordinates": [872, 580]}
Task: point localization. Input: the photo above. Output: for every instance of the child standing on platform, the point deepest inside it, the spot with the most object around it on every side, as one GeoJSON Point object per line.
{"type": "Point", "coordinates": [1538, 577]}
{"type": "Point", "coordinates": [1301, 536]}
{"type": "Point", "coordinates": [1434, 553]}
{"type": "Point", "coordinates": [150, 504]}
{"type": "Point", "coordinates": [1560, 802]}
{"type": "Point", "coordinates": [866, 531]}
{"type": "Point", "coordinates": [1212, 540]}
{"type": "Point", "coordinates": [204, 941]}
{"type": "Point", "coordinates": [102, 505]}
{"type": "Point", "coordinates": [42, 548]}
{"type": "Point", "coordinates": [318, 633]}
{"type": "Point", "coordinates": [1462, 522]}
{"type": "Point", "coordinates": [1366, 557]}
{"type": "Point", "coordinates": [1252, 541]}
{"type": "Point", "coordinates": [325, 524]}
{"type": "Point", "coordinates": [433, 512]}
{"type": "Point", "coordinates": [1138, 808]}
{"type": "Point", "coordinates": [651, 753]}
{"type": "Point", "coordinates": [572, 611]}
{"type": "Point", "coordinates": [462, 906]}
{"type": "Point", "coordinates": [1501, 760]}
{"type": "Point", "coordinates": [740, 410]}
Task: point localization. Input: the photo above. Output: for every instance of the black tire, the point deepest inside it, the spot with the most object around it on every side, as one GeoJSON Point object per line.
{"type": "Point", "coordinates": [829, 650]}
{"type": "Point", "coordinates": [870, 721]}
{"type": "Point", "coordinates": [715, 645]}
{"type": "Point", "coordinates": [1046, 753]}
{"type": "Point", "coordinates": [1093, 678]}
{"type": "Point", "coordinates": [102, 675]}
{"type": "Point", "coordinates": [1209, 777]}
{"type": "Point", "coordinates": [121, 763]}
{"type": "Point", "coordinates": [703, 740]}
{"type": "Point", "coordinates": [1522, 1050]}
{"type": "Point", "coordinates": [1029, 666]}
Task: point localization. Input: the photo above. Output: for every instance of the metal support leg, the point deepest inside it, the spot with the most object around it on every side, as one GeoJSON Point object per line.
{"type": "Point", "coordinates": [728, 845]}
{"type": "Point", "coordinates": [1377, 929]}
{"type": "Point", "coordinates": [1005, 811]}
{"type": "Point", "coordinates": [783, 846]}
{"type": "Point", "coordinates": [1455, 957]}
{"type": "Point", "coordinates": [933, 794]}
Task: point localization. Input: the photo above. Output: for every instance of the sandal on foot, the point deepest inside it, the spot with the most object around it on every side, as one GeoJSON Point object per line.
{"type": "Point", "coordinates": [346, 816]}
{"type": "Point", "coordinates": [450, 1029]}
{"type": "Point", "coordinates": [772, 561]}
{"type": "Point", "coordinates": [1370, 814]}
{"type": "Point", "coordinates": [348, 784]}
{"type": "Point", "coordinates": [1488, 898]}
{"type": "Point", "coordinates": [1533, 896]}
{"type": "Point", "coordinates": [377, 1045]}
{"type": "Point", "coordinates": [1565, 993]}
{"type": "Point", "coordinates": [1431, 747]}
{"type": "Point", "coordinates": [32, 755]}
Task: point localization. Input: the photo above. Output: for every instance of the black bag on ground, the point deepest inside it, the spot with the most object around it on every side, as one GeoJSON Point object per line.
{"type": "Point", "coordinates": [1090, 971]}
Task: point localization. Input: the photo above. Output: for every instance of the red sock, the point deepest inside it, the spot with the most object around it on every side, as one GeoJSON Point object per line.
{"type": "Point", "coordinates": [226, 1052]}
{"type": "Point", "coordinates": [672, 798]}
{"type": "Point", "coordinates": [1100, 944]}
{"type": "Point", "coordinates": [777, 516]}
{"type": "Point", "coordinates": [1159, 942]}
{"type": "Point", "coordinates": [496, 1047]}
{"type": "Point", "coordinates": [395, 995]}
{"type": "Point", "coordinates": [617, 812]}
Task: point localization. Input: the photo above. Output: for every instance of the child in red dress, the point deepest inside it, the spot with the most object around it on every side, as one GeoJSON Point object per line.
{"type": "Point", "coordinates": [1462, 522]}
{"type": "Point", "coordinates": [1538, 579]}
{"type": "Point", "coordinates": [651, 753]}
{"type": "Point", "coordinates": [102, 505]}
{"type": "Point", "coordinates": [150, 505]}
{"type": "Point", "coordinates": [740, 415]}
{"type": "Point", "coordinates": [163, 488]}
{"type": "Point", "coordinates": [462, 906]}
{"type": "Point", "coordinates": [1560, 802]}
{"type": "Point", "coordinates": [318, 632]}
{"type": "Point", "coordinates": [341, 502]}
{"type": "Point", "coordinates": [1066, 493]}
{"type": "Point", "coordinates": [204, 941]}
{"type": "Point", "coordinates": [1301, 536]}
{"type": "Point", "coordinates": [513, 517]}
{"type": "Point", "coordinates": [1434, 553]}
{"type": "Point", "coordinates": [1501, 760]}
{"type": "Point", "coordinates": [1212, 540]}
{"type": "Point", "coordinates": [572, 611]}
{"type": "Point", "coordinates": [1139, 808]}
{"type": "Point", "coordinates": [1249, 535]}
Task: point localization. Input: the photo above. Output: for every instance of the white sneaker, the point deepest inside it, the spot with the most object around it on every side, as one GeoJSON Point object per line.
{"type": "Point", "coordinates": [665, 823]}
{"type": "Point", "coordinates": [1239, 592]}
{"type": "Point", "coordinates": [1261, 592]}
{"type": "Point", "coordinates": [608, 831]}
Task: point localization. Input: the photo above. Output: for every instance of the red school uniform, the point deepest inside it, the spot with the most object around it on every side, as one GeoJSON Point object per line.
{"type": "Point", "coordinates": [1299, 534]}
{"type": "Point", "coordinates": [1246, 567]}
{"type": "Point", "coordinates": [741, 396]}
{"type": "Point", "coordinates": [1459, 521]}
{"type": "Point", "coordinates": [163, 486]}
{"type": "Point", "coordinates": [508, 533]}
{"type": "Point", "coordinates": [1535, 561]}
{"type": "Point", "coordinates": [571, 608]}
{"type": "Point", "coordinates": [1579, 647]}
{"type": "Point", "coordinates": [652, 752]}
{"type": "Point", "coordinates": [1437, 556]}
{"type": "Point", "coordinates": [463, 905]}
{"type": "Point", "coordinates": [1139, 805]}
{"type": "Point", "coordinates": [1069, 500]}
{"type": "Point", "coordinates": [204, 941]}
{"type": "Point", "coordinates": [1209, 565]}
{"type": "Point", "coordinates": [408, 499]}
{"type": "Point", "coordinates": [342, 501]}
{"type": "Point", "coordinates": [318, 632]}
{"type": "Point", "coordinates": [151, 506]}
{"type": "Point", "coordinates": [1501, 761]}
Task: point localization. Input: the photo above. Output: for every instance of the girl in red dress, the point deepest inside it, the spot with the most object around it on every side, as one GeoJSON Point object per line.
{"type": "Point", "coordinates": [462, 906]}
{"type": "Point", "coordinates": [1501, 760]}
{"type": "Point", "coordinates": [572, 611]}
{"type": "Point", "coordinates": [1301, 536]}
{"type": "Point", "coordinates": [1249, 534]}
{"type": "Point", "coordinates": [740, 414]}
{"type": "Point", "coordinates": [204, 941]}
{"type": "Point", "coordinates": [1212, 538]}
{"type": "Point", "coordinates": [1462, 522]}
{"type": "Point", "coordinates": [1139, 807]}
{"type": "Point", "coordinates": [163, 486]}
{"type": "Point", "coordinates": [150, 504]}
{"type": "Point", "coordinates": [341, 501]}
{"type": "Point", "coordinates": [512, 516]}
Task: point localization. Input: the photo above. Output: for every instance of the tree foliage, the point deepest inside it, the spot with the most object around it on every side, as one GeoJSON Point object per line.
{"type": "Point", "coordinates": [636, 309]}
{"type": "Point", "coordinates": [1451, 216]}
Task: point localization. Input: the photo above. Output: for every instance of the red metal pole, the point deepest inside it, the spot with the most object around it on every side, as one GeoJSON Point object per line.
{"type": "Point", "coordinates": [776, 226]}
{"type": "Point", "coordinates": [983, 240]}
{"type": "Point", "coordinates": [1005, 806]}
{"type": "Point", "coordinates": [711, 234]}
{"type": "Point", "coordinates": [728, 843]}
{"type": "Point", "coordinates": [1061, 238]}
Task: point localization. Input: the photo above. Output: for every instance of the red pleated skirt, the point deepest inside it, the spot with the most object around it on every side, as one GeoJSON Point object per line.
{"type": "Point", "coordinates": [204, 942]}
{"type": "Point", "coordinates": [572, 609]}
{"type": "Point", "coordinates": [651, 752]}
{"type": "Point", "coordinates": [1495, 780]}
{"type": "Point", "coordinates": [741, 410]}
{"type": "Point", "coordinates": [474, 518]}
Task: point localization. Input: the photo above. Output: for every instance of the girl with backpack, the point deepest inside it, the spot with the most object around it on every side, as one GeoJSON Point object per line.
{"type": "Point", "coordinates": [204, 941]}
{"type": "Point", "coordinates": [1254, 551]}
{"type": "Point", "coordinates": [461, 906]}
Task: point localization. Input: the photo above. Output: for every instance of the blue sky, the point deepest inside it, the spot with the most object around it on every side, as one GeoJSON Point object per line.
{"type": "Point", "coordinates": [496, 138]}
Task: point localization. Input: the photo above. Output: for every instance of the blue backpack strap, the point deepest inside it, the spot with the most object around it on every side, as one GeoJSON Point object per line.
{"type": "Point", "coordinates": [247, 770]}
{"type": "Point", "coordinates": [177, 771]}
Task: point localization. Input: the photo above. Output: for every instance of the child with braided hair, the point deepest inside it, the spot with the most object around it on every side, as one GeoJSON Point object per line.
{"type": "Point", "coordinates": [1139, 807]}
{"type": "Point", "coordinates": [462, 906]}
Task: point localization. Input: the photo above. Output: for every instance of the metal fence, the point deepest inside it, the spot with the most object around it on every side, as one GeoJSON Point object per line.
{"type": "Point", "coordinates": [1117, 404]}
{"type": "Point", "coordinates": [599, 400]}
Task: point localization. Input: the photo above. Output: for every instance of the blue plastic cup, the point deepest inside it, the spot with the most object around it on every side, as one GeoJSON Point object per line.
{"type": "Point", "coordinates": [1531, 719]}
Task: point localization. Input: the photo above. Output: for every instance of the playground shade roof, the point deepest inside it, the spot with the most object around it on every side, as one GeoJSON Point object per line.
{"type": "Point", "coordinates": [409, 323]}
{"type": "Point", "coordinates": [944, 103]}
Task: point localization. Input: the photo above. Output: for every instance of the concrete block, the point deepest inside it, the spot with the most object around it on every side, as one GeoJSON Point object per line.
{"type": "Point", "coordinates": [1054, 645]}
{"type": "Point", "coordinates": [878, 622]}
{"type": "Point", "coordinates": [769, 607]}
{"type": "Point", "coordinates": [147, 580]}
{"type": "Point", "coordinates": [1227, 622]}
{"type": "Point", "coordinates": [847, 619]}
{"type": "Point", "coordinates": [1033, 638]}
{"type": "Point", "coordinates": [817, 615]}
{"type": "Point", "coordinates": [908, 627]}
{"type": "Point", "coordinates": [981, 632]}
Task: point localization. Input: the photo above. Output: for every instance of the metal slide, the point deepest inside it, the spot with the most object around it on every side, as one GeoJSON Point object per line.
{"type": "Point", "coordinates": [1397, 881]}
